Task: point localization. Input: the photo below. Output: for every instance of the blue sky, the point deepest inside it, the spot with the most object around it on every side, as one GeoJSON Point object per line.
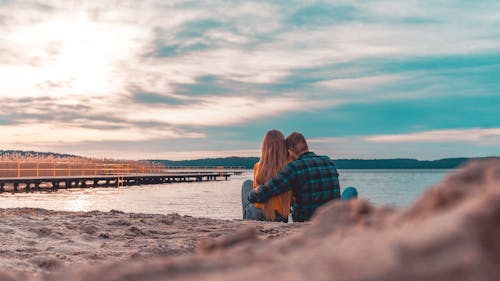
{"type": "Point", "coordinates": [193, 79]}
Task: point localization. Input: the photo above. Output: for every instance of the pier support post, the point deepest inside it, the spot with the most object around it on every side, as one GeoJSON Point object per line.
{"type": "Point", "coordinates": [16, 185]}
{"type": "Point", "coordinates": [2, 187]}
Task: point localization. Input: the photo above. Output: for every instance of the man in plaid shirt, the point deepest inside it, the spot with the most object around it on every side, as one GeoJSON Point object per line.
{"type": "Point", "coordinates": [313, 179]}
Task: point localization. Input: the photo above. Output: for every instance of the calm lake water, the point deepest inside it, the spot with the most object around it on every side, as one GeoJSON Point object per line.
{"type": "Point", "coordinates": [220, 199]}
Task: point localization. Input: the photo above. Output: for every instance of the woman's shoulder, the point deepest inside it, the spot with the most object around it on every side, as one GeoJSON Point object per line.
{"type": "Point", "coordinates": [256, 166]}
{"type": "Point", "coordinates": [255, 171]}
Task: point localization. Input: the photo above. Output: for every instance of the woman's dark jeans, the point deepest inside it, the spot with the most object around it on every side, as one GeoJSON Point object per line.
{"type": "Point", "coordinates": [250, 212]}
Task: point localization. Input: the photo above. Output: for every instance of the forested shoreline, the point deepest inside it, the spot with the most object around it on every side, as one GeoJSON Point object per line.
{"type": "Point", "coordinates": [397, 163]}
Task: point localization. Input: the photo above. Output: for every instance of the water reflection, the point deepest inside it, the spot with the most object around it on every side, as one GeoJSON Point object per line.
{"type": "Point", "coordinates": [80, 203]}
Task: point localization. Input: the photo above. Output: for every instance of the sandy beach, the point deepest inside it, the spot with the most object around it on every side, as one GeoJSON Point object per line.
{"type": "Point", "coordinates": [37, 241]}
{"type": "Point", "coordinates": [450, 233]}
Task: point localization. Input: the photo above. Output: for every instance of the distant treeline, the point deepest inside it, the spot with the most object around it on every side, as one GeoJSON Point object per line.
{"type": "Point", "coordinates": [248, 162]}
{"type": "Point", "coordinates": [22, 154]}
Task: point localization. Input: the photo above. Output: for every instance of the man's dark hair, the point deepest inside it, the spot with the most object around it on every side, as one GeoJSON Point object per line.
{"type": "Point", "coordinates": [296, 143]}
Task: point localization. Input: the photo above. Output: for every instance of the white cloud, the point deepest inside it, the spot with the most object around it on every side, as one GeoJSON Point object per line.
{"type": "Point", "coordinates": [91, 49]}
{"type": "Point", "coordinates": [325, 140]}
{"type": "Point", "coordinates": [217, 111]}
{"type": "Point", "coordinates": [361, 83]}
{"type": "Point", "coordinates": [477, 135]}
{"type": "Point", "coordinates": [227, 36]}
{"type": "Point", "coordinates": [57, 134]}
{"type": "Point", "coordinates": [197, 154]}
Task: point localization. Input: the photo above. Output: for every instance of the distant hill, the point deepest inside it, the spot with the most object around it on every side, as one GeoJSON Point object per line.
{"type": "Point", "coordinates": [403, 163]}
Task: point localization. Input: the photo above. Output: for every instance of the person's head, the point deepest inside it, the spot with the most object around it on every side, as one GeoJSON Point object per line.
{"type": "Point", "coordinates": [296, 145]}
{"type": "Point", "coordinates": [273, 159]}
{"type": "Point", "coordinates": [274, 156]}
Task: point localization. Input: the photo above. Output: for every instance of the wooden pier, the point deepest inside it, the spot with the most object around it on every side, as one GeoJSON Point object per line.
{"type": "Point", "coordinates": [28, 184]}
{"type": "Point", "coordinates": [30, 176]}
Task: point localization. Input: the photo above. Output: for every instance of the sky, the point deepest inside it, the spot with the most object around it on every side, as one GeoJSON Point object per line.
{"type": "Point", "coordinates": [194, 79]}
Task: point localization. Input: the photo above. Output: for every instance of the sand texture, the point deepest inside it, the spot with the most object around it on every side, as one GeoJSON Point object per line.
{"type": "Point", "coordinates": [450, 233]}
{"type": "Point", "coordinates": [37, 241]}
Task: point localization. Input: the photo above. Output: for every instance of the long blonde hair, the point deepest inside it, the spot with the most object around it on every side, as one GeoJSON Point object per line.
{"type": "Point", "coordinates": [273, 159]}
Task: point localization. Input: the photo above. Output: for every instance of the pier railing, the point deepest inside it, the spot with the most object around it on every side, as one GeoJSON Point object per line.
{"type": "Point", "coordinates": [21, 169]}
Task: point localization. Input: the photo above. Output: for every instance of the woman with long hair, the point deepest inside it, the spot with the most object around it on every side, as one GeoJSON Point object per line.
{"type": "Point", "coordinates": [274, 157]}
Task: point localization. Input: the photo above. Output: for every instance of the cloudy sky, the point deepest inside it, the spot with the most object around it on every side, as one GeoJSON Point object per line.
{"type": "Point", "coordinates": [192, 79]}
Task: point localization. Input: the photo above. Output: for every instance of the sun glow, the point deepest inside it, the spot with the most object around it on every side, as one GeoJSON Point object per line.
{"type": "Point", "coordinates": [73, 55]}
{"type": "Point", "coordinates": [83, 57]}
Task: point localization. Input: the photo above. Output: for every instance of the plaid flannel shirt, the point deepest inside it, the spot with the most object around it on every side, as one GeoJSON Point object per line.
{"type": "Point", "coordinates": [313, 179]}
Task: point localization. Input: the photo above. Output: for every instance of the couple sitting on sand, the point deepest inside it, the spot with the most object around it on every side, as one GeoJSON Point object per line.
{"type": "Point", "coordinates": [289, 177]}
